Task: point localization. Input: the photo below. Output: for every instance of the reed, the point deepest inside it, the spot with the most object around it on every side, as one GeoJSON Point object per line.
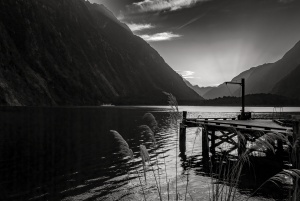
{"type": "Point", "coordinates": [147, 132]}
{"type": "Point", "coordinates": [288, 178]}
{"type": "Point", "coordinates": [175, 116]}
{"type": "Point", "coordinates": [149, 120]}
{"type": "Point", "coordinates": [291, 177]}
{"type": "Point", "coordinates": [145, 157]}
{"type": "Point", "coordinates": [125, 151]}
{"type": "Point", "coordinates": [225, 178]}
{"type": "Point", "coordinates": [121, 144]}
{"type": "Point", "coordinates": [197, 133]}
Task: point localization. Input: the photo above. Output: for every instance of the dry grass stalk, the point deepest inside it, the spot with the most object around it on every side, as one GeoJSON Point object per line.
{"type": "Point", "coordinates": [126, 152]}
{"type": "Point", "coordinates": [289, 178]}
{"type": "Point", "coordinates": [197, 133]}
{"type": "Point", "coordinates": [145, 157]}
{"type": "Point", "coordinates": [175, 117]}
{"type": "Point", "coordinates": [147, 132]}
{"type": "Point", "coordinates": [296, 153]}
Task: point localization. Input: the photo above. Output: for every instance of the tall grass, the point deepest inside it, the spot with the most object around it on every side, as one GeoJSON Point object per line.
{"type": "Point", "coordinates": [225, 172]}
{"type": "Point", "coordinates": [175, 116]}
{"type": "Point", "coordinates": [289, 178]}
{"type": "Point", "coordinates": [125, 151]}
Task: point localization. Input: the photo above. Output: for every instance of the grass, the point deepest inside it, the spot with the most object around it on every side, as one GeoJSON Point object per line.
{"type": "Point", "coordinates": [225, 172]}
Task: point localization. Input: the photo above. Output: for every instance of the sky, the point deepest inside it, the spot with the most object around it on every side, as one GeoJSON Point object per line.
{"type": "Point", "coordinates": [209, 42]}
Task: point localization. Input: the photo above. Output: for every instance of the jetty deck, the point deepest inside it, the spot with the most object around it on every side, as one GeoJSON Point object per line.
{"type": "Point", "coordinates": [260, 124]}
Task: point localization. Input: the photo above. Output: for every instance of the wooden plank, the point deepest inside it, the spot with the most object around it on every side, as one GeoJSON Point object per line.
{"type": "Point", "coordinates": [249, 125]}
{"type": "Point", "coordinates": [238, 128]}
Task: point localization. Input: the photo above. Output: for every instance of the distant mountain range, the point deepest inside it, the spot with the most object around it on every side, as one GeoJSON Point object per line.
{"type": "Point", "coordinates": [200, 90]}
{"type": "Point", "coordinates": [281, 78]}
{"type": "Point", "coordinates": [252, 100]}
{"type": "Point", "coordinates": [72, 52]}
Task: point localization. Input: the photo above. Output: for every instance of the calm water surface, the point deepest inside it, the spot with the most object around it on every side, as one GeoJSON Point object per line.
{"type": "Point", "coordinates": [69, 154]}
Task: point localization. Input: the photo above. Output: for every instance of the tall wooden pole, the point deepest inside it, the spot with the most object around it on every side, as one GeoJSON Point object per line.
{"type": "Point", "coordinates": [242, 83]}
{"type": "Point", "coordinates": [243, 97]}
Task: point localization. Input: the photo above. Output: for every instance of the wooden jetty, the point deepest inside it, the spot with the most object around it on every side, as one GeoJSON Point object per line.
{"type": "Point", "coordinates": [221, 131]}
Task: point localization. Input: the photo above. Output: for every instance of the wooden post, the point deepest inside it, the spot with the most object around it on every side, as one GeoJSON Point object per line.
{"type": "Point", "coordinates": [182, 138]}
{"type": "Point", "coordinates": [213, 143]}
{"type": "Point", "coordinates": [296, 144]}
{"type": "Point", "coordinates": [205, 149]}
{"type": "Point", "coordinates": [182, 134]}
{"type": "Point", "coordinates": [243, 98]}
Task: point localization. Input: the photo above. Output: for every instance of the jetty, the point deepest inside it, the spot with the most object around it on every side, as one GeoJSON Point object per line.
{"type": "Point", "coordinates": [234, 136]}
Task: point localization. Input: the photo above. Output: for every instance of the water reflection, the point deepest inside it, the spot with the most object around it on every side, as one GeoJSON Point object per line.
{"type": "Point", "coordinates": [68, 154]}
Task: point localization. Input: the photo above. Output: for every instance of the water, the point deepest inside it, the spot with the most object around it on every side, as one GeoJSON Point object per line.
{"type": "Point", "coordinates": [68, 153]}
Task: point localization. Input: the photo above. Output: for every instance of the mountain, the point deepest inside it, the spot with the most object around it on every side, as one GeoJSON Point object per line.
{"type": "Point", "coordinates": [264, 78]}
{"type": "Point", "coordinates": [289, 86]}
{"type": "Point", "coordinates": [228, 89]}
{"type": "Point", "coordinates": [72, 52]}
{"type": "Point", "coordinates": [197, 89]}
{"type": "Point", "coordinates": [253, 100]}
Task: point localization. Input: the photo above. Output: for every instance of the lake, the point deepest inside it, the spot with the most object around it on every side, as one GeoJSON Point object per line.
{"type": "Point", "coordinates": [67, 153]}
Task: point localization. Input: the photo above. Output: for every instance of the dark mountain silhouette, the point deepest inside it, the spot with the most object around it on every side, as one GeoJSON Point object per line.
{"type": "Point", "coordinates": [289, 86]}
{"type": "Point", "coordinates": [261, 79]}
{"type": "Point", "coordinates": [253, 100]}
{"type": "Point", "coordinates": [72, 52]}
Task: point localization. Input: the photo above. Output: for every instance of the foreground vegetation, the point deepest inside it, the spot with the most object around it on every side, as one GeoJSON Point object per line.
{"type": "Point", "coordinates": [225, 172]}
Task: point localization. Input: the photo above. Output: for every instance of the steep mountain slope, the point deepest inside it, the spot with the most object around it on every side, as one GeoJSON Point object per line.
{"type": "Point", "coordinates": [71, 52]}
{"type": "Point", "coordinates": [289, 86]}
{"type": "Point", "coordinates": [264, 79]}
{"type": "Point", "coordinates": [261, 79]}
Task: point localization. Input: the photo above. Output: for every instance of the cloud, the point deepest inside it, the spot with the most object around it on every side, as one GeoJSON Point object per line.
{"type": "Point", "coordinates": [191, 21]}
{"type": "Point", "coordinates": [160, 36]}
{"type": "Point", "coordinates": [138, 27]}
{"type": "Point", "coordinates": [159, 5]}
{"type": "Point", "coordinates": [186, 74]}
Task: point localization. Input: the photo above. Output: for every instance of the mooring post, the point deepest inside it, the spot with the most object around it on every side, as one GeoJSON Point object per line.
{"type": "Point", "coordinates": [205, 149]}
{"type": "Point", "coordinates": [213, 143]}
{"type": "Point", "coordinates": [182, 133]}
{"type": "Point", "coordinates": [296, 143]}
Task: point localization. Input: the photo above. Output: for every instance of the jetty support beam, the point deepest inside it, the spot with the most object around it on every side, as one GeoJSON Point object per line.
{"type": "Point", "coordinates": [182, 133]}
